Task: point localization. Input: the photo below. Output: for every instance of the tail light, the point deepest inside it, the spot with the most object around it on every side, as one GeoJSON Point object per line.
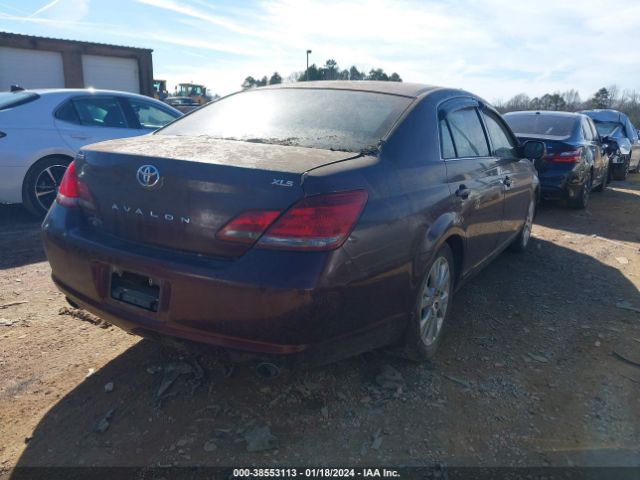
{"type": "Point", "coordinates": [572, 156]}
{"type": "Point", "coordinates": [247, 227]}
{"type": "Point", "coordinates": [72, 192]}
{"type": "Point", "coordinates": [320, 222]}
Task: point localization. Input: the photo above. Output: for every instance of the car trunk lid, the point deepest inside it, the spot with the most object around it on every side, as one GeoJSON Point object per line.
{"type": "Point", "coordinates": [202, 184]}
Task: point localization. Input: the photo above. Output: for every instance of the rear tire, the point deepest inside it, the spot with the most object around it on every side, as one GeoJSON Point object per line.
{"type": "Point", "coordinates": [521, 242]}
{"type": "Point", "coordinates": [41, 183]}
{"type": "Point", "coordinates": [621, 173]}
{"type": "Point", "coordinates": [582, 196]}
{"type": "Point", "coordinates": [432, 307]}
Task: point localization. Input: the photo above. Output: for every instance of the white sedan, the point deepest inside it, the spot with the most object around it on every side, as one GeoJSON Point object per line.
{"type": "Point", "coordinates": [42, 130]}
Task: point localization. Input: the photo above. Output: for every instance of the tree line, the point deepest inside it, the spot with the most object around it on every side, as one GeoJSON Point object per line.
{"type": "Point", "coordinates": [329, 71]}
{"type": "Point", "coordinates": [626, 101]}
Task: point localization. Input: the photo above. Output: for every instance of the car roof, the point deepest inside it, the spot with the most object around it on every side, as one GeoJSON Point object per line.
{"type": "Point", "coordinates": [546, 112]}
{"type": "Point", "coordinates": [405, 89]}
{"type": "Point", "coordinates": [606, 115]}
{"type": "Point", "coordinates": [90, 91]}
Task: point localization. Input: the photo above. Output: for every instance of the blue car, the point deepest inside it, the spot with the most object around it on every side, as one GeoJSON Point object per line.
{"type": "Point", "coordinates": [620, 135]}
{"type": "Point", "coordinates": [575, 162]}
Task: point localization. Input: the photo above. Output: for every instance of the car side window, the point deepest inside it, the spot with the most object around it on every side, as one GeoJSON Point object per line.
{"type": "Point", "coordinates": [502, 144]}
{"type": "Point", "coordinates": [446, 142]}
{"type": "Point", "coordinates": [586, 131]}
{"type": "Point", "coordinates": [100, 112]}
{"type": "Point", "coordinates": [468, 135]}
{"type": "Point", "coordinates": [594, 130]}
{"type": "Point", "coordinates": [67, 113]}
{"type": "Point", "coordinates": [149, 115]}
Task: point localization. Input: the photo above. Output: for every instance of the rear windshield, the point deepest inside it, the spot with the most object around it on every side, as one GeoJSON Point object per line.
{"type": "Point", "coordinates": [13, 99]}
{"type": "Point", "coordinates": [540, 124]}
{"type": "Point", "coordinates": [611, 129]}
{"type": "Point", "coordinates": [316, 118]}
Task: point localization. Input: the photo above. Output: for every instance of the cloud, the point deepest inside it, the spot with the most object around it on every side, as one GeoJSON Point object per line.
{"type": "Point", "coordinates": [63, 10]}
{"type": "Point", "coordinates": [45, 8]}
{"type": "Point", "coordinates": [184, 8]}
{"type": "Point", "coordinates": [495, 48]}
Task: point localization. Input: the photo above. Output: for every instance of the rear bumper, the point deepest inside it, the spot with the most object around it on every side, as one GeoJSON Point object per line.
{"type": "Point", "coordinates": [556, 185]}
{"type": "Point", "coordinates": [267, 302]}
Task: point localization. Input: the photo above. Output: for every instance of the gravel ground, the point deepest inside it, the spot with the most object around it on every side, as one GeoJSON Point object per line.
{"type": "Point", "coordinates": [537, 368]}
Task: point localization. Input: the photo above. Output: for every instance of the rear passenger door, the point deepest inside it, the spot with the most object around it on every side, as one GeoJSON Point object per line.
{"type": "Point", "coordinates": [473, 176]}
{"type": "Point", "coordinates": [515, 175]}
{"type": "Point", "coordinates": [89, 119]}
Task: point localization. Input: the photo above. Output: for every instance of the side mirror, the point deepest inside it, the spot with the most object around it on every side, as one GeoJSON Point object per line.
{"type": "Point", "coordinates": [533, 149]}
{"type": "Point", "coordinates": [605, 139]}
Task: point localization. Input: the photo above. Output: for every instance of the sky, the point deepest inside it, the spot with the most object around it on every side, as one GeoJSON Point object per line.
{"type": "Point", "coordinates": [494, 48]}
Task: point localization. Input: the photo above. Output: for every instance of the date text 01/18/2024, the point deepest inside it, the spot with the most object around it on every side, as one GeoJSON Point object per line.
{"type": "Point", "coordinates": [315, 472]}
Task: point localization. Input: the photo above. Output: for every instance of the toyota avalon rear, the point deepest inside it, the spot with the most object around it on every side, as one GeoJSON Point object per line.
{"type": "Point", "coordinates": [316, 219]}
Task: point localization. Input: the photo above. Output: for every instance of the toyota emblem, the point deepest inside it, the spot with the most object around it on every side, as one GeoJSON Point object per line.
{"type": "Point", "coordinates": [148, 176]}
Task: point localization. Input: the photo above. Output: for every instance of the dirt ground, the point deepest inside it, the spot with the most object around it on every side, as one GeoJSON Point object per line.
{"type": "Point", "coordinates": [536, 369]}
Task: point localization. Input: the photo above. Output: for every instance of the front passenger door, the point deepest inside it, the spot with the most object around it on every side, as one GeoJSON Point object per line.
{"type": "Point", "coordinates": [473, 176]}
{"type": "Point", "coordinates": [516, 175]}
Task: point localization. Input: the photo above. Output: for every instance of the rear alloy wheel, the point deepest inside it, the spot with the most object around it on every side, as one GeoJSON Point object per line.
{"type": "Point", "coordinates": [581, 198]}
{"type": "Point", "coordinates": [41, 184]}
{"type": "Point", "coordinates": [432, 307]}
{"type": "Point", "coordinates": [521, 242]}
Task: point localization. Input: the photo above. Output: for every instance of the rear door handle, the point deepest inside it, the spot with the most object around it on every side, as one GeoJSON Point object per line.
{"type": "Point", "coordinates": [80, 137]}
{"type": "Point", "coordinates": [463, 192]}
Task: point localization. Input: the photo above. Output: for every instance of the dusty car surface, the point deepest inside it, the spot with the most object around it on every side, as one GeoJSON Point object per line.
{"type": "Point", "coordinates": [317, 219]}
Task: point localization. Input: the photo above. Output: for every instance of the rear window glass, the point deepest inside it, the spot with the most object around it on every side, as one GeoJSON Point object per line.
{"type": "Point", "coordinates": [316, 118]}
{"type": "Point", "coordinates": [67, 112]}
{"type": "Point", "coordinates": [537, 124]}
{"type": "Point", "coordinates": [10, 99]}
{"type": "Point", "coordinates": [609, 128]}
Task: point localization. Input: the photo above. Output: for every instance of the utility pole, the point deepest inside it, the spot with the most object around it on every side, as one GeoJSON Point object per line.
{"type": "Point", "coordinates": [308, 52]}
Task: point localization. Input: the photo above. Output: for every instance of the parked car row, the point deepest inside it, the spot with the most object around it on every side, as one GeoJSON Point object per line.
{"type": "Point", "coordinates": [584, 150]}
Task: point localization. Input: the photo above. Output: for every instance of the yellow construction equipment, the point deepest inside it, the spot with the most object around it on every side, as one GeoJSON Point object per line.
{"type": "Point", "coordinates": [197, 93]}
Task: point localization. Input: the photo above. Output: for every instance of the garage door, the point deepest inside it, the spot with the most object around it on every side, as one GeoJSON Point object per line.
{"type": "Point", "coordinates": [30, 68]}
{"type": "Point", "coordinates": [111, 72]}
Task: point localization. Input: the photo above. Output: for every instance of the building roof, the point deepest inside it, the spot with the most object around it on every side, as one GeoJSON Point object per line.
{"type": "Point", "coordinates": [34, 38]}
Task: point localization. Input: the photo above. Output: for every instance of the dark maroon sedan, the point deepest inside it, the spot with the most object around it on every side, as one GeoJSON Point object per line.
{"type": "Point", "coordinates": [320, 219]}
